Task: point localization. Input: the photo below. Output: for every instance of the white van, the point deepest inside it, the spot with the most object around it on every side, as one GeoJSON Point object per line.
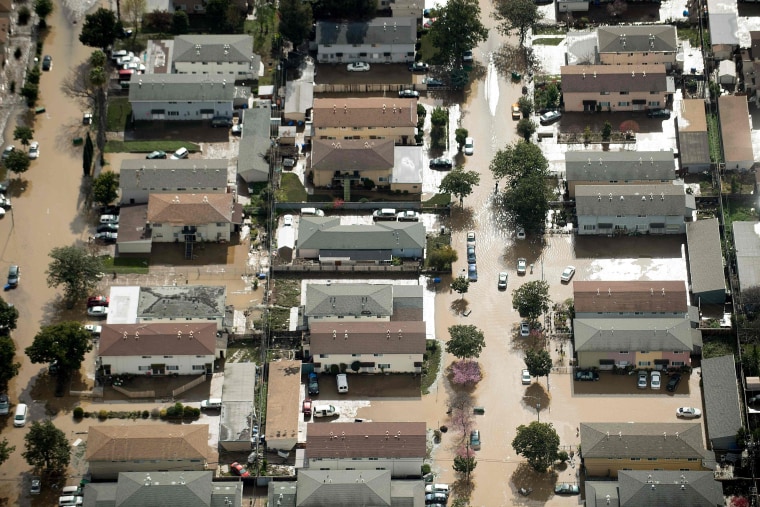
{"type": "Point", "coordinates": [342, 381]}
{"type": "Point", "coordinates": [70, 501]}
{"type": "Point", "coordinates": [19, 419]}
{"type": "Point", "coordinates": [71, 491]}
{"type": "Point", "coordinates": [312, 212]}
{"type": "Point", "coordinates": [211, 404]}
{"type": "Point", "coordinates": [384, 214]}
{"type": "Point", "coordinates": [437, 488]}
{"type": "Point", "coordinates": [324, 411]}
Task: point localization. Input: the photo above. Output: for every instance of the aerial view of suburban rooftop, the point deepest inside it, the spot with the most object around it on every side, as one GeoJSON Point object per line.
{"type": "Point", "coordinates": [380, 253]}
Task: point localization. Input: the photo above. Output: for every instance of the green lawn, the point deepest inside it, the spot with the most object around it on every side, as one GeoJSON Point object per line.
{"type": "Point", "coordinates": [717, 346]}
{"type": "Point", "coordinates": [735, 210]}
{"type": "Point", "coordinates": [427, 52]}
{"type": "Point", "coordinates": [713, 131]}
{"type": "Point", "coordinates": [430, 365]}
{"type": "Point", "coordinates": [293, 188]}
{"type": "Point", "coordinates": [438, 200]}
{"type": "Point", "coordinates": [548, 41]}
{"type": "Point", "coordinates": [119, 111]}
{"type": "Point", "coordinates": [125, 265]}
{"type": "Point", "coordinates": [148, 146]}
{"type": "Point", "coordinates": [548, 30]}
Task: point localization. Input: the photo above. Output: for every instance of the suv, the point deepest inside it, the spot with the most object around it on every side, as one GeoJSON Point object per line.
{"type": "Point", "coordinates": [14, 274]}
{"type": "Point", "coordinates": [313, 383]}
{"type": "Point", "coordinates": [5, 404]}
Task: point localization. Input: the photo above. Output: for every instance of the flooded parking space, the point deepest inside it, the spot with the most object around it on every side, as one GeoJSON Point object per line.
{"type": "Point", "coordinates": [379, 73]}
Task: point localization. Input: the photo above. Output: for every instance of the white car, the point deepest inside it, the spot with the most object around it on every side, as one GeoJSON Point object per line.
{"type": "Point", "coordinates": [526, 377]}
{"type": "Point", "coordinates": [520, 233]}
{"type": "Point", "coordinates": [109, 219]}
{"type": "Point", "coordinates": [408, 216]}
{"type": "Point", "coordinates": [524, 329]}
{"type": "Point", "coordinates": [688, 412]}
{"type": "Point", "coordinates": [34, 149]}
{"type": "Point", "coordinates": [287, 221]}
{"type": "Point", "coordinates": [656, 380]}
{"type": "Point", "coordinates": [567, 274]}
{"type": "Point", "coordinates": [180, 153]}
{"type": "Point", "coordinates": [470, 237]}
{"type": "Point", "coordinates": [469, 146]}
{"type": "Point", "coordinates": [503, 280]}
{"type": "Point", "coordinates": [550, 117]}
{"type": "Point", "coordinates": [522, 266]}
{"type": "Point", "coordinates": [642, 382]}
{"type": "Point", "coordinates": [358, 67]}
{"type": "Point", "coordinates": [97, 311]}
{"type": "Point", "coordinates": [93, 329]}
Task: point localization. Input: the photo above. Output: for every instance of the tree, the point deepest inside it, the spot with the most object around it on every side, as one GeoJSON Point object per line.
{"type": "Point", "coordinates": [345, 9]}
{"type": "Point", "coordinates": [531, 299]}
{"type": "Point", "coordinates": [75, 269]}
{"type": "Point", "coordinates": [46, 447]}
{"type": "Point", "coordinates": [66, 343]}
{"type": "Point", "coordinates": [100, 29]}
{"type": "Point", "coordinates": [606, 131]}
{"type": "Point", "coordinates": [180, 23]}
{"type": "Point", "coordinates": [465, 465]}
{"type": "Point", "coordinates": [538, 443]}
{"type": "Point", "coordinates": [97, 58]}
{"type": "Point", "coordinates": [31, 92]}
{"type": "Point", "coordinates": [459, 183]}
{"type": "Point", "coordinates": [8, 368]}
{"type": "Point", "coordinates": [159, 21]}
{"type": "Point", "coordinates": [8, 317]}
{"type": "Point", "coordinates": [5, 450]}
{"type": "Point", "coordinates": [442, 257]}
{"type": "Point", "coordinates": [457, 29]}
{"type": "Point", "coordinates": [516, 15]}
{"type": "Point", "coordinates": [466, 372]}
{"type": "Point", "coordinates": [105, 188]}
{"type": "Point", "coordinates": [438, 120]}
{"type": "Point", "coordinates": [538, 362]}
{"type": "Point", "coordinates": [460, 135]}
{"type": "Point", "coordinates": [518, 160]}
{"type": "Point", "coordinates": [467, 341]}
{"type": "Point", "coordinates": [617, 8]}
{"type": "Point", "coordinates": [43, 9]}
{"type": "Point", "coordinates": [134, 11]}
{"type": "Point", "coordinates": [526, 128]}
{"type": "Point", "coordinates": [23, 134]}
{"type": "Point", "coordinates": [460, 285]}
{"type": "Point", "coordinates": [526, 106]}
{"type": "Point", "coordinates": [17, 162]}
{"type": "Point", "coordinates": [526, 202]}
{"type": "Point", "coordinates": [296, 19]}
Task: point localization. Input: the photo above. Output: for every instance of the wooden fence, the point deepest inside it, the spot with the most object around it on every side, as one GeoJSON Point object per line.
{"type": "Point", "coordinates": [189, 385]}
{"type": "Point", "coordinates": [134, 394]}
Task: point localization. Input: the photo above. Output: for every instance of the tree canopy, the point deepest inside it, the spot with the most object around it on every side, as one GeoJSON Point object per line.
{"type": "Point", "coordinates": [353, 10]}
{"type": "Point", "coordinates": [23, 134]}
{"type": "Point", "coordinates": [179, 22]}
{"type": "Point", "coordinates": [457, 29]}
{"type": "Point", "coordinates": [516, 15]}
{"type": "Point", "coordinates": [46, 447]}
{"type": "Point", "coordinates": [100, 29]}
{"type": "Point", "coordinates": [531, 299]}
{"type": "Point", "coordinates": [442, 257]}
{"type": "Point", "coordinates": [460, 285]}
{"type": "Point", "coordinates": [66, 343]}
{"type": "Point", "coordinates": [43, 8]}
{"type": "Point", "coordinates": [5, 450]}
{"type": "Point", "coordinates": [518, 160]}
{"type": "Point", "coordinates": [464, 465]}
{"type": "Point", "coordinates": [134, 10]}
{"type": "Point", "coordinates": [295, 20]}
{"type": "Point", "coordinates": [105, 188]}
{"type": "Point", "coordinates": [8, 366]}
{"type": "Point", "coordinates": [527, 202]}
{"type": "Point", "coordinates": [538, 362]}
{"type": "Point", "coordinates": [17, 162]}
{"type": "Point", "coordinates": [538, 443]}
{"type": "Point", "coordinates": [459, 183]}
{"type": "Point", "coordinates": [467, 341]}
{"type": "Point", "coordinates": [8, 317]}
{"type": "Point", "coordinates": [75, 269]}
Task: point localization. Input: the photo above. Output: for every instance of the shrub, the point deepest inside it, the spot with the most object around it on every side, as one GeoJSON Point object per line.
{"type": "Point", "coordinates": [188, 412]}
{"type": "Point", "coordinates": [356, 365]}
{"type": "Point", "coordinates": [87, 414]}
{"type": "Point", "coordinates": [103, 415]}
{"type": "Point", "coordinates": [334, 369]}
{"type": "Point", "coordinates": [78, 413]}
{"type": "Point", "coordinates": [562, 456]}
{"type": "Point", "coordinates": [155, 413]}
{"type": "Point", "coordinates": [425, 469]}
{"type": "Point", "coordinates": [145, 414]}
{"type": "Point", "coordinates": [162, 413]}
{"type": "Point", "coordinates": [343, 367]}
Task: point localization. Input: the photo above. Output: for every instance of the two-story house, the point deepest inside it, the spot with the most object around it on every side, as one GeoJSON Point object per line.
{"type": "Point", "coordinates": [723, 406]}
{"type": "Point", "coordinates": [746, 237]}
{"type": "Point", "coordinates": [139, 178]}
{"type": "Point", "coordinates": [367, 347]}
{"type": "Point", "coordinates": [723, 19]}
{"type": "Point", "coordinates": [618, 167]}
{"type": "Point", "coordinates": [349, 162]}
{"type": "Point", "coordinates": [228, 55]}
{"type": "Point", "coordinates": [707, 280]}
{"type": "Point", "coordinates": [362, 302]}
{"type": "Point", "coordinates": [399, 447]}
{"type": "Point", "coordinates": [255, 143]}
{"type": "Point", "coordinates": [638, 45]}
{"type": "Point", "coordinates": [378, 40]}
{"type": "Point", "coordinates": [663, 488]}
{"type": "Point", "coordinates": [633, 209]}
{"type": "Point", "coordinates": [634, 298]}
{"type": "Point", "coordinates": [616, 87]}
{"type": "Point", "coordinates": [608, 448]}
{"type": "Point", "coordinates": [370, 118]}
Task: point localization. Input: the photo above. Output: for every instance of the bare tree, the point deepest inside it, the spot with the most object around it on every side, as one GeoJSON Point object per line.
{"type": "Point", "coordinates": [513, 58]}
{"type": "Point", "coordinates": [134, 11]}
{"type": "Point", "coordinates": [77, 85]}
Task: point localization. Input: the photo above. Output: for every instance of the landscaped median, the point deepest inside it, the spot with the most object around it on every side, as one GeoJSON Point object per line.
{"type": "Point", "coordinates": [149, 146]}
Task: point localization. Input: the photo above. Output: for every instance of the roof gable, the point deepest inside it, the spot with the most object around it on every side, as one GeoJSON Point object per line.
{"type": "Point", "coordinates": [395, 337]}
{"type": "Point", "coordinates": [327, 233]}
{"type": "Point", "coordinates": [367, 440]}
{"type": "Point", "coordinates": [147, 442]}
{"type": "Point", "coordinates": [650, 200]}
{"type": "Point", "coordinates": [401, 30]}
{"type": "Point", "coordinates": [255, 143]}
{"type": "Point", "coordinates": [213, 48]}
{"type": "Point", "coordinates": [160, 88]}
{"type": "Point", "coordinates": [641, 440]}
{"type": "Point", "coordinates": [642, 39]}
{"type": "Point", "coordinates": [349, 299]}
{"type": "Point", "coordinates": [379, 112]}
{"type": "Point", "coordinates": [705, 256]}
{"type": "Point", "coordinates": [158, 175]}
{"type": "Point", "coordinates": [664, 488]}
{"type": "Point", "coordinates": [159, 339]}
{"type": "Point", "coordinates": [629, 296]}
{"type": "Point", "coordinates": [595, 334]}
{"type": "Point", "coordinates": [352, 155]}
{"type": "Point", "coordinates": [317, 488]}
{"type": "Point", "coordinates": [190, 209]}
{"type": "Point", "coordinates": [619, 165]}
{"type": "Point", "coordinates": [722, 409]}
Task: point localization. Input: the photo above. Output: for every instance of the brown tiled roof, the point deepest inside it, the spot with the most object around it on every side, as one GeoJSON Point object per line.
{"type": "Point", "coordinates": [365, 112]}
{"type": "Point", "coordinates": [181, 209]}
{"type": "Point", "coordinates": [132, 442]}
{"type": "Point", "coordinates": [132, 221]}
{"type": "Point", "coordinates": [283, 391]}
{"type": "Point", "coordinates": [352, 154]}
{"type": "Point", "coordinates": [368, 337]}
{"type": "Point", "coordinates": [735, 127]}
{"type": "Point", "coordinates": [366, 440]}
{"type": "Point", "coordinates": [613, 78]}
{"type": "Point", "coordinates": [694, 117]}
{"type": "Point", "coordinates": [146, 339]}
{"type": "Point", "coordinates": [633, 296]}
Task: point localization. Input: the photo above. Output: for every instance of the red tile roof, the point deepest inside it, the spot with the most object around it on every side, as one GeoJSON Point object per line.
{"type": "Point", "coordinates": [146, 339]}
{"type": "Point", "coordinates": [181, 209]}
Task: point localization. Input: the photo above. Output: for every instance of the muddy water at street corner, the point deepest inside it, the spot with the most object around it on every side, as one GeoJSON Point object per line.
{"type": "Point", "coordinates": [47, 212]}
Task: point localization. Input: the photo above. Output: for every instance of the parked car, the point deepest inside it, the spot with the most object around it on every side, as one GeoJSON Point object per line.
{"type": "Point", "coordinates": [550, 117]}
{"type": "Point", "coordinates": [14, 275]}
{"type": "Point", "coordinates": [642, 382]}
{"type": "Point", "coordinates": [475, 440]}
{"type": "Point", "coordinates": [36, 486]}
{"type": "Point", "coordinates": [433, 499]}
{"type": "Point", "coordinates": [358, 67]}
{"type": "Point", "coordinates": [419, 67]}
{"type": "Point", "coordinates": [97, 311]}
{"type": "Point", "coordinates": [471, 258]}
{"type": "Point", "coordinates": [107, 228]}
{"type": "Point", "coordinates": [306, 408]}
{"type": "Point", "coordinates": [522, 266]}
{"type": "Point", "coordinates": [97, 301]}
{"type": "Point", "coordinates": [180, 153]}
{"type": "Point", "coordinates": [675, 378]}
{"type": "Point", "coordinates": [467, 56]}
{"type": "Point", "coordinates": [313, 383]}
{"type": "Point", "coordinates": [429, 23]}
{"type": "Point", "coordinates": [688, 412]}
{"type": "Point", "coordinates": [524, 328]}
{"type": "Point", "coordinates": [5, 404]}
{"type": "Point", "coordinates": [472, 272]}
{"type": "Point", "coordinates": [221, 122]}
{"type": "Point", "coordinates": [5, 202]}
{"type": "Point", "coordinates": [587, 375]}
{"type": "Point", "coordinates": [656, 380]}
{"type": "Point", "coordinates": [566, 489]}
{"type": "Point", "coordinates": [384, 214]}
{"type": "Point", "coordinates": [503, 277]}
{"type": "Point", "coordinates": [153, 155]}
{"type": "Point", "coordinates": [469, 146]}
{"type": "Point", "coordinates": [34, 150]}
{"type": "Point", "coordinates": [237, 130]}
{"type": "Point", "coordinates": [437, 488]}
{"type": "Point", "coordinates": [93, 329]}
{"type": "Point", "coordinates": [520, 233]}
{"type": "Point", "coordinates": [441, 163]}
{"type": "Point", "coordinates": [239, 470]}
{"type": "Point", "coordinates": [470, 237]}
{"type": "Point", "coordinates": [324, 411]}
{"type": "Point", "coordinates": [7, 151]}
{"type": "Point", "coordinates": [408, 94]}
{"type": "Point", "coordinates": [432, 82]}
{"type": "Point", "coordinates": [109, 219]}
{"type": "Point", "coordinates": [567, 274]}
{"type": "Point", "coordinates": [108, 237]}
{"type": "Point", "coordinates": [658, 113]}
{"type": "Point", "coordinates": [287, 221]}
{"type": "Point", "coordinates": [526, 380]}
{"type": "Point", "coordinates": [516, 112]}
{"type": "Point", "coordinates": [408, 216]}
{"type": "Point", "coordinates": [125, 59]}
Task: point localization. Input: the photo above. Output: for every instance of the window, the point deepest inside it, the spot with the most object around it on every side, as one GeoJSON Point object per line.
{"type": "Point", "coordinates": [651, 459]}
{"type": "Point", "coordinates": [589, 227]}
{"type": "Point", "coordinates": [146, 357]}
{"type": "Point", "coordinates": [644, 363]}
{"type": "Point", "coordinates": [356, 355]}
{"type": "Point", "coordinates": [604, 104]}
{"type": "Point", "coordinates": [172, 113]}
{"type": "Point", "coordinates": [643, 351]}
{"type": "Point", "coordinates": [676, 352]}
{"type": "Point", "coordinates": [143, 368]}
{"type": "Point", "coordinates": [198, 367]}
{"type": "Point", "coordinates": [624, 93]}
{"type": "Point", "coordinates": [653, 103]}
{"type": "Point", "coordinates": [374, 459]}
{"type": "Point", "coordinates": [377, 355]}
{"type": "Point", "coordinates": [623, 104]}
{"type": "Point", "coordinates": [381, 365]}
{"type": "Point", "coordinates": [623, 351]}
{"type": "Point", "coordinates": [635, 459]}
{"type": "Point", "coordinates": [604, 93]}
{"type": "Point", "coordinates": [172, 367]}
{"type": "Point", "coordinates": [678, 363]}
{"type": "Point", "coordinates": [168, 357]}
{"type": "Point", "coordinates": [324, 356]}
{"type": "Point", "coordinates": [692, 459]}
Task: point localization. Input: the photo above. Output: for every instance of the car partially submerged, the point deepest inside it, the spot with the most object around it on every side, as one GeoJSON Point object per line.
{"type": "Point", "coordinates": [567, 489]}
{"type": "Point", "coordinates": [586, 375]}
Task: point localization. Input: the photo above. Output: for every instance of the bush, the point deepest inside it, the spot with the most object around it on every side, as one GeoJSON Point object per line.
{"type": "Point", "coordinates": [425, 469]}
{"type": "Point", "coordinates": [334, 369]}
{"type": "Point", "coordinates": [356, 366]}
{"type": "Point", "coordinates": [343, 367]}
{"type": "Point", "coordinates": [162, 413]}
{"type": "Point", "coordinates": [188, 412]}
{"type": "Point", "coordinates": [155, 413]}
{"type": "Point", "coordinates": [103, 415]}
{"type": "Point", "coordinates": [562, 456]}
{"type": "Point", "coordinates": [145, 414]}
{"type": "Point", "coordinates": [23, 15]}
{"type": "Point", "coordinates": [78, 413]}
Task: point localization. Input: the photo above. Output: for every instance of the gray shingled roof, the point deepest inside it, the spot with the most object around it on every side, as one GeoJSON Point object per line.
{"type": "Point", "coordinates": [694, 148]}
{"type": "Point", "coordinates": [322, 233]}
{"type": "Point", "coordinates": [666, 488]}
{"type": "Point", "coordinates": [348, 299]}
{"type": "Point", "coordinates": [602, 493]}
{"type": "Point", "coordinates": [705, 256]}
{"type": "Point", "coordinates": [167, 87]}
{"type": "Point", "coordinates": [642, 440]}
{"type": "Point", "coordinates": [631, 38]}
{"type": "Point", "coordinates": [620, 165]}
{"type": "Point", "coordinates": [375, 31]}
{"type": "Point", "coordinates": [254, 144]}
{"type": "Point", "coordinates": [627, 200]}
{"type": "Point", "coordinates": [747, 244]}
{"type": "Point", "coordinates": [170, 174]}
{"type": "Point", "coordinates": [615, 334]}
{"type": "Point", "coordinates": [722, 410]}
{"type": "Point", "coordinates": [213, 48]}
{"type": "Point", "coordinates": [317, 488]}
{"type": "Point", "coordinates": [164, 488]}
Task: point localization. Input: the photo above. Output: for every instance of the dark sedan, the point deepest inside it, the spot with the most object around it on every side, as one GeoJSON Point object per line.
{"type": "Point", "coordinates": [441, 163]}
{"type": "Point", "coordinates": [108, 228]}
{"type": "Point", "coordinates": [47, 62]}
{"type": "Point", "coordinates": [673, 382]}
{"type": "Point", "coordinates": [586, 375]}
